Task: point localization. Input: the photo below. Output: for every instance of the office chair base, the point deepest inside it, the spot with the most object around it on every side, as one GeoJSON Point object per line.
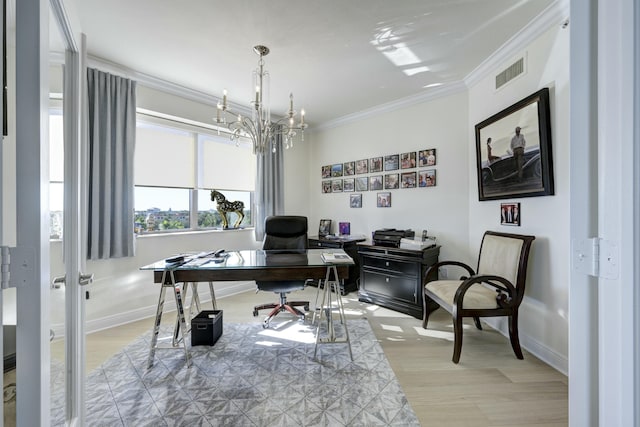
{"type": "Point", "coordinates": [278, 308]}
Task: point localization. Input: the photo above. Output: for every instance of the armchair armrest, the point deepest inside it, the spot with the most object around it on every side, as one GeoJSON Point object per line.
{"type": "Point", "coordinates": [504, 289]}
{"type": "Point", "coordinates": [454, 263]}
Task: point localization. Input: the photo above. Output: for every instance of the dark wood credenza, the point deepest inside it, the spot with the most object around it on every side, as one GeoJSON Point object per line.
{"type": "Point", "coordinates": [349, 244]}
{"type": "Point", "coordinates": [393, 277]}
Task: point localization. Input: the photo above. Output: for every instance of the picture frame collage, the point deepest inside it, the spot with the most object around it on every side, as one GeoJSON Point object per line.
{"type": "Point", "coordinates": [413, 169]}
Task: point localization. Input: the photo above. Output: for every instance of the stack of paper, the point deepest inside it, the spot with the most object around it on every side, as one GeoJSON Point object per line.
{"type": "Point", "coordinates": [331, 257]}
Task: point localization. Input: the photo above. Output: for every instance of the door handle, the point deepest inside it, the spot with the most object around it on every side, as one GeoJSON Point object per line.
{"type": "Point", "coordinates": [85, 279]}
{"type": "Point", "coordinates": [58, 281]}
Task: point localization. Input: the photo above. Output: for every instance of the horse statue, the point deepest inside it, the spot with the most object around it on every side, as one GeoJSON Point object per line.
{"type": "Point", "coordinates": [225, 207]}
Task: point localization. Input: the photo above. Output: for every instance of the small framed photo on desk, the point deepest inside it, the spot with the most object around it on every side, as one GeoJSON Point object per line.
{"type": "Point", "coordinates": [344, 228]}
{"type": "Point", "coordinates": [325, 227]}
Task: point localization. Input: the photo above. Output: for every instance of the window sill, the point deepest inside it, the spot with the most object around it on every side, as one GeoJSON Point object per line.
{"type": "Point", "coordinates": [187, 232]}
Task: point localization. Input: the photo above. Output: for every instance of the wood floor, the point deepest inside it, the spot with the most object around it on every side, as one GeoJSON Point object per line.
{"type": "Point", "coordinates": [489, 387]}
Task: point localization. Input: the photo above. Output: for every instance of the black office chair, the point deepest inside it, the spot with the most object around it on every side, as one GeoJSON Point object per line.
{"type": "Point", "coordinates": [288, 234]}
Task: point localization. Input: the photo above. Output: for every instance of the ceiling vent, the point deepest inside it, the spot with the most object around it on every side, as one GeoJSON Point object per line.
{"type": "Point", "coordinates": [512, 71]}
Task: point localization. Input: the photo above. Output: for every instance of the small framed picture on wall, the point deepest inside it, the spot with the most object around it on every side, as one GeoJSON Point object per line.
{"type": "Point", "coordinates": [349, 168]}
{"type": "Point", "coordinates": [347, 184]}
{"type": "Point", "coordinates": [355, 200]}
{"type": "Point", "coordinates": [391, 181]}
{"type": "Point", "coordinates": [510, 214]}
{"type": "Point", "coordinates": [384, 199]}
{"type": "Point", "coordinates": [362, 183]}
{"type": "Point", "coordinates": [408, 160]}
{"type": "Point", "coordinates": [375, 182]}
{"type": "Point", "coordinates": [362, 166]}
{"type": "Point", "coordinates": [375, 164]}
{"type": "Point", "coordinates": [427, 178]}
{"type": "Point", "coordinates": [408, 180]}
{"type": "Point", "coordinates": [392, 162]}
{"type": "Point", "coordinates": [427, 157]}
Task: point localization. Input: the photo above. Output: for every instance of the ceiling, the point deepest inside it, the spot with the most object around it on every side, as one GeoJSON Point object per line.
{"type": "Point", "coordinates": [337, 56]}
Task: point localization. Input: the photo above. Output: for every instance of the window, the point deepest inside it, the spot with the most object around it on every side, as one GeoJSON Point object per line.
{"type": "Point", "coordinates": [161, 209]}
{"type": "Point", "coordinates": [176, 167]}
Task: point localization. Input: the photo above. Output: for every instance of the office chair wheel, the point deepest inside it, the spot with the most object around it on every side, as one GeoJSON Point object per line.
{"type": "Point", "coordinates": [306, 307]}
{"type": "Point", "coordinates": [265, 324]}
{"type": "Point", "coordinates": [255, 313]}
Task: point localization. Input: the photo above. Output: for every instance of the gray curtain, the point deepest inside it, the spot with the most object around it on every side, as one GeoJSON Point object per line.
{"type": "Point", "coordinates": [112, 131]}
{"type": "Point", "coordinates": [269, 187]}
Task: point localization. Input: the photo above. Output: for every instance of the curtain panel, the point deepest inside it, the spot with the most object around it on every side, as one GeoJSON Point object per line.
{"type": "Point", "coordinates": [269, 186]}
{"type": "Point", "coordinates": [112, 132]}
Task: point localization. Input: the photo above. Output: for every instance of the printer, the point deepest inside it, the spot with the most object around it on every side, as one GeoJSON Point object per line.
{"type": "Point", "coordinates": [391, 237]}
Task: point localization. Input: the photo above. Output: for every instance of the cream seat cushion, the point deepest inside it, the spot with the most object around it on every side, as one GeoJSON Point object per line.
{"type": "Point", "coordinates": [476, 297]}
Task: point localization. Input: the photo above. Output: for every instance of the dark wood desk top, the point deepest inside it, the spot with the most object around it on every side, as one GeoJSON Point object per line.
{"type": "Point", "coordinates": [250, 265]}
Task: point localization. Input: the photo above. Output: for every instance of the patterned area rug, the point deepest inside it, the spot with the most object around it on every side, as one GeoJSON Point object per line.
{"type": "Point", "coordinates": [250, 377]}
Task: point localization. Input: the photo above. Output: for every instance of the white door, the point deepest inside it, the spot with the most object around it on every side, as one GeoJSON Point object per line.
{"type": "Point", "coordinates": [32, 56]}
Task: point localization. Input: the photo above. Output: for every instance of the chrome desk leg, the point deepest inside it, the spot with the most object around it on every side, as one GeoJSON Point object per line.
{"type": "Point", "coordinates": [180, 321]}
{"type": "Point", "coordinates": [327, 310]}
{"type": "Point", "coordinates": [183, 324]}
{"type": "Point", "coordinates": [316, 307]}
{"type": "Point", "coordinates": [176, 329]}
{"type": "Point", "coordinates": [213, 296]}
{"type": "Point", "coordinates": [156, 325]}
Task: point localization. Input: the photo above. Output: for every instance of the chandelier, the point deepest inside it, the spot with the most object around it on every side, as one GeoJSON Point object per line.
{"type": "Point", "coordinates": [259, 127]}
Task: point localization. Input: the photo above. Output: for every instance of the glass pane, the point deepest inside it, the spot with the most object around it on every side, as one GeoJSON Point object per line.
{"type": "Point", "coordinates": [160, 209]}
{"type": "Point", "coordinates": [56, 207]}
{"type": "Point", "coordinates": [56, 146]}
{"type": "Point", "coordinates": [208, 216]}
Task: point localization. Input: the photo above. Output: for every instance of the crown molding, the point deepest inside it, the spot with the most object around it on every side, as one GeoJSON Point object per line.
{"type": "Point", "coordinates": [555, 14]}
{"type": "Point", "coordinates": [162, 85]}
{"type": "Point", "coordinates": [434, 93]}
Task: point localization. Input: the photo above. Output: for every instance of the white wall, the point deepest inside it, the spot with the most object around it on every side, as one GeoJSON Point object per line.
{"type": "Point", "coordinates": [442, 210]}
{"type": "Point", "coordinates": [544, 312]}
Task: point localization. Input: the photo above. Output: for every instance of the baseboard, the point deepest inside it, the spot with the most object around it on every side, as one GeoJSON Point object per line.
{"type": "Point", "coordinates": [535, 347]}
{"type": "Point", "coordinates": [119, 319]}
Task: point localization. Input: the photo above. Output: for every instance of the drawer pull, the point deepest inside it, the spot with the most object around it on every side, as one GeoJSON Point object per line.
{"type": "Point", "coordinates": [386, 279]}
{"type": "Point", "coordinates": [387, 263]}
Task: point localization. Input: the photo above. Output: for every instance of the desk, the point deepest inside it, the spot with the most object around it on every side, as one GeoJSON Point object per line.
{"type": "Point", "coordinates": [240, 265]}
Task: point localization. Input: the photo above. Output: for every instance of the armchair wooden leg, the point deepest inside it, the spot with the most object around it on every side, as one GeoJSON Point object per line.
{"type": "Point", "coordinates": [429, 307]}
{"type": "Point", "coordinates": [457, 341]}
{"type": "Point", "coordinates": [476, 320]}
{"type": "Point", "coordinates": [513, 335]}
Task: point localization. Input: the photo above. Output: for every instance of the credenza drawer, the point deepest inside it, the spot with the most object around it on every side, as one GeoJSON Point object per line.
{"type": "Point", "coordinates": [399, 288]}
{"type": "Point", "coordinates": [397, 266]}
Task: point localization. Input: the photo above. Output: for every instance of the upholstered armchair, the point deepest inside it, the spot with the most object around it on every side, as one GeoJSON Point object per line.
{"type": "Point", "coordinates": [496, 288]}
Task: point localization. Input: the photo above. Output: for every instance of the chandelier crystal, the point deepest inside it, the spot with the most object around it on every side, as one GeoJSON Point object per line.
{"type": "Point", "coordinates": [259, 127]}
